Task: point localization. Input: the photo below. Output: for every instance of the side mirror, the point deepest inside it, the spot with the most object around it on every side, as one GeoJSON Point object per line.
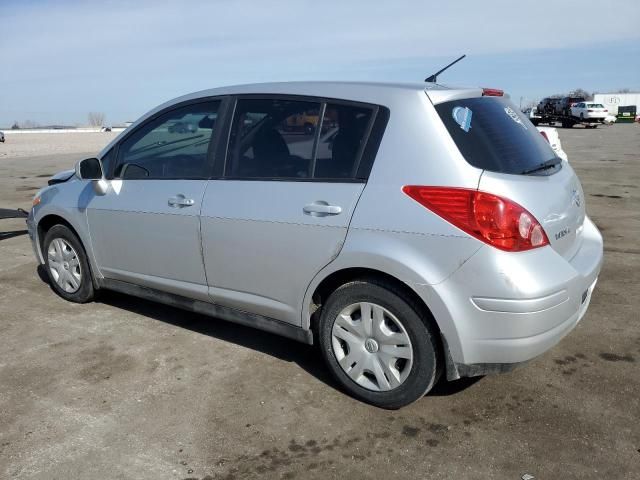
{"type": "Point", "coordinates": [91, 169]}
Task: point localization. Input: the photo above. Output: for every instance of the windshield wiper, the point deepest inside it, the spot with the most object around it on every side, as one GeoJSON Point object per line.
{"type": "Point", "coordinates": [543, 166]}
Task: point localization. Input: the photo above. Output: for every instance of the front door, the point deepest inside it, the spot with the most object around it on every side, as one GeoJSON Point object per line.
{"type": "Point", "coordinates": [146, 228]}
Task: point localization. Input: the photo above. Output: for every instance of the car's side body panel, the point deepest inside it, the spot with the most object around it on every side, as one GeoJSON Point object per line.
{"type": "Point", "coordinates": [261, 249]}
{"type": "Point", "coordinates": [139, 237]}
{"type": "Point", "coordinates": [67, 201]}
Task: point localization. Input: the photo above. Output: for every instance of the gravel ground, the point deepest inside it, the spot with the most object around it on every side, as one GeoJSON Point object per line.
{"type": "Point", "coordinates": [128, 389]}
{"type": "Point", "coordinates": [20, 145]}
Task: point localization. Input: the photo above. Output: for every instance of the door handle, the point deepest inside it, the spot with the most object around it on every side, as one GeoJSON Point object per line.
{"type": "Point", "coordinates": [180, 201]}
{"type": "Point", "coordinates": [321, 208]}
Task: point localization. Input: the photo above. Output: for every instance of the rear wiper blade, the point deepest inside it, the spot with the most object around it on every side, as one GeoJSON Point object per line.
{"type": "Point", "coordinates": [543, 166]}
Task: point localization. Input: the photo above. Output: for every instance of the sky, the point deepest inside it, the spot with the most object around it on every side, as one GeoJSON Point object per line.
{"type": "Point", "coordinates": [61, 59]}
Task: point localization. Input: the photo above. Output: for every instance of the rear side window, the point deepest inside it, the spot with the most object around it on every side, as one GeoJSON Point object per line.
{"type": "Point", "coordinates": [279, 138]}
{"type": "Point", "coordinates": [272, 138]}
{"type": "Point", "coordinates": [493, 135]}
{"type": "Point", "coordinates": [344, 131]}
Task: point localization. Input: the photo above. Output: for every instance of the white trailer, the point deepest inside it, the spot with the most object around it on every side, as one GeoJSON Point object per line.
{"type": "Point", "coordinates": [612, 101]}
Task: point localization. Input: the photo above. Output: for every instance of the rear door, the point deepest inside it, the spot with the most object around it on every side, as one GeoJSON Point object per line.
{"type": "Point", "coordinates": [280, 211]}
{"type": "Point", "coordinates": [498, 138]}
{"type": "Point", "coordinates": [146, 228]}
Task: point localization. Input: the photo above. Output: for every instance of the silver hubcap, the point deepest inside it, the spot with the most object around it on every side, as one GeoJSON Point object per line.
{"type": "Point", "coordinates": [372, 346]}
{"type": "Point", "coordinates": [64, 265]}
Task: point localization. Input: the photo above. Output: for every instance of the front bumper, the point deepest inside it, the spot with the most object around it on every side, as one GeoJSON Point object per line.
{"type": "Point", "coordinates": [502, 309]}
{"type": "Point", "coordinates": [33, 236]}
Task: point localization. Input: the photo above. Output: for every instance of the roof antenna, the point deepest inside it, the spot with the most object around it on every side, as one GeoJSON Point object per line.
{"type": "Point", "coordinates": [434, 78]}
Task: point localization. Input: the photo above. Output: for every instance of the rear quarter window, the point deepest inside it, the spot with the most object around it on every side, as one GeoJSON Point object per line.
{"type": "Point", "coordinates": [493, 135]}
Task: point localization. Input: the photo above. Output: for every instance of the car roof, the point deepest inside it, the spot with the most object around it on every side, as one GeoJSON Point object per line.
{"type": "Point", "coordinates": [380, 93]}
{"type": "Point", "coordinates": [316, 88]}
{"type": "Point", "coordinates": [373, 92]}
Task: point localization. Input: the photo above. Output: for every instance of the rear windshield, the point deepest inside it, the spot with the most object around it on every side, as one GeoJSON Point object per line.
{"type": "Point", "coordinates": [493, 135]}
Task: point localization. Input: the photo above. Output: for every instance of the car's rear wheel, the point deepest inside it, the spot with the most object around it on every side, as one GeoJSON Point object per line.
{"type": "Point", "coordinates": [377, 345]}
{"type": "Point", "coordinates": [67, 265]}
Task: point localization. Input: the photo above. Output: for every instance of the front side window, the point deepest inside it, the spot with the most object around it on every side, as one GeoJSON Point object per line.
{"type": "Point", "coordinates": [107, 162]}
{"type": "Point", "coordinates": [174, 145]}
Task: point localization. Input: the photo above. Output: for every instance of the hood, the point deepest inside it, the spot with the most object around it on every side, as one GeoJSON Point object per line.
{"type": "Point", "coordinates": [61, 177]}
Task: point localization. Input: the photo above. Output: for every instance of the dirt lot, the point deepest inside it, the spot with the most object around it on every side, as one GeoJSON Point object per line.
{"type": "Point", "coordinates": [128, 389]}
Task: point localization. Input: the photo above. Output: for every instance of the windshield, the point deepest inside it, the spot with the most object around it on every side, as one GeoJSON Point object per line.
{"type": "Point", "coordinates": [493, 135]}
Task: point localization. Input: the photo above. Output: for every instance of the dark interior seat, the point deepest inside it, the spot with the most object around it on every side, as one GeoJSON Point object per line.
{"type": "Point", "coordinates": [270, 152]}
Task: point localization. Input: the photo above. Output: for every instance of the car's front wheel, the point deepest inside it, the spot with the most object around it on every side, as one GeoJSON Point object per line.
{"type": "Point", "coordinates": [376, 344]}
{"type": "Point", "coordinates": [67, 265]}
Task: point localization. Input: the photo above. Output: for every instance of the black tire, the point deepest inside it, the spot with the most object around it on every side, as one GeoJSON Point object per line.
{"type": "Point", "coordinates": [85, 292]}
{"type": "Point", "coordinates": [425, 368]}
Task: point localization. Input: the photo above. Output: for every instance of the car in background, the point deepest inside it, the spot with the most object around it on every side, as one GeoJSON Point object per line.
{"type": "Point", "coordinates": [550, 134]}
{"type": "Point", "coordinates": [533, 115]}
{"type": "Point", "coordinates": [589, 111]}
{"type": "Point", "coordinates": [563, 105]}
{"type": "Point", "coordinates": [1, 136]}
{"type": "Point", "coordinates": [547, 105]}
{"type": "Point", "coordinates": [182, 127]}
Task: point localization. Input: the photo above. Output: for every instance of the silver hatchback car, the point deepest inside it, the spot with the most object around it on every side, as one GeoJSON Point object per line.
{"type": "Point", "coordinates": [408, 230]}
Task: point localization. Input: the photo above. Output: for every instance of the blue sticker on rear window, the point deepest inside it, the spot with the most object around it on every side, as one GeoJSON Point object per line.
{"type": "Point", "coordinates": [462, 116]}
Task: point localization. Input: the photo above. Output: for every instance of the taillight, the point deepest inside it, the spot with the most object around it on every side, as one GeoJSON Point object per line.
{"type": "Point", "coordinates": [589, 110]}
{"type": "Point", "coordinates": [544, 134]}
{"type": "Point", "coordinates": [492, 92]}
{"type": "Point", "coordinates": [495, 220]}
{"type": "Point", "coordinates": [605, 110]}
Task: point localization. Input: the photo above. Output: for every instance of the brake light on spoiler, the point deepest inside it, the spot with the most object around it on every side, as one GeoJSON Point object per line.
{"type": "Point", "coordinates": [495, 220]}
{"type": "Point", "coordinates": [492, 92]}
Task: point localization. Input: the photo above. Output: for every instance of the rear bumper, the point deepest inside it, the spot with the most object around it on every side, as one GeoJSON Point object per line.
{"type": "Point", "coordinates": [597, 117]}
{"type": "Point", "coordinates": [502, 309]}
